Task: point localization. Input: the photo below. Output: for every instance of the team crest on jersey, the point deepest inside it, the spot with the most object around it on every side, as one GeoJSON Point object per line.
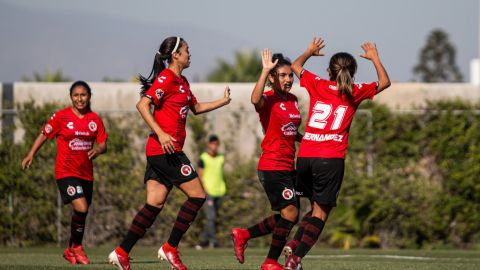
{"type": "Point", "coordinates": [289, 129]}
{"type": "Point", "coordinates": [186, 170]}
{"type": "Point", "coordinates": [159, 93]}
{"type": "Point", "coordinates": [79, 189]}
{"type": "Point", "coordinates": [287, 194]}
{"type": "Point", "coordinates": [92, 126]}
{"type": "Point", "coordinates": [71, 190]}
{"type": "Point", "coordinates": [48, 128]}
{"type": "Point", "coordinates": [70, 125]}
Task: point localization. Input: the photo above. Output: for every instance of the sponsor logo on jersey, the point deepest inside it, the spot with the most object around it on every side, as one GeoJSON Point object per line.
{"type": "Point", "coordinates": [82, 133]}
{"type": "Point", "coordinates": [181, 89]}
{"type": "Point", "coordinates": [48, 128]}
{"type": "Point", "coordinates": [159, 93]}
{"type": "Point", "coordinates": [186, 170]}
{"type": "Point", "coordinates": [71, 191]}
{"type": "Point", "coordinates": [289, 129]}
{"type": "Point", "coordinates": [52, 116]}
{"type": "Point", "coordinates": [322, 137]}
{"type": "Point", "coordinates": [161, 79]}
{"type": "Point", "coordinates": [79, 189]}
{"type": "Point", "coordinates": [295, 116]}
{"type": "Point", "coordinates": [70, 125]}
{"type": "Point", "coordinates": [333, 87]}
{"type": "Point", "coordinates": [282, 106]}
{"type": "Point", "coordinates": [79, 145]}
{"type": "Point", "coordinates": [287, 194]}
{"type": "Point", "coordinates": [184, 111]}
{"type": "Point", "coordinates": [92, 126]}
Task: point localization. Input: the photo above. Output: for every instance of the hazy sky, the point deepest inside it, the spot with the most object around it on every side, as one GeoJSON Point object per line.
{"type": "Point", "coordinates": [91, 39]}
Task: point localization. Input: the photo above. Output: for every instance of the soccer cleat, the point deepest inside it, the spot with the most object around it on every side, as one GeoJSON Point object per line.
{"type": "Point", "coordinates": [289, 248]}
{"type": "Point", "coordinates": [69, 256]}
{"type": "Point", "coordinates": [80, 255]}
{"type": "Point", "coordinates": [171, 255]}
{"type": "Point", "coordinates": [240, 239]}
{"type": "Point", "coordinates": [293, 263]}
{"type": "Point", "coordinates": [271, 266]}
{"type": "Point", "coordinates": [122, 262]}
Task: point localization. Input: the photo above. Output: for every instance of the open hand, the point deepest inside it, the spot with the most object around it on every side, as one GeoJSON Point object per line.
{"type": "Point", "coordinates": [226, 95]}
{"type": "Point", "coordinates": [167, 143]}
{"type": "Point", "coordinates": [267, 60]}
{"type": "Point", "coordinates": [370, 51]}
{"type": "Point", "coordinates": [315, 46]}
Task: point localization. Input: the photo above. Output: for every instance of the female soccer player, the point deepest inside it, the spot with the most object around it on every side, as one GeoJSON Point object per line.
{"type": "Point", "coordinates": [280, 119]}
{"type": "Point", "coordinates": [169, 93]}
{"type": "Point", "coordinates": [76, 128]}
{"type": "Point", "coordinates": [320, 159]}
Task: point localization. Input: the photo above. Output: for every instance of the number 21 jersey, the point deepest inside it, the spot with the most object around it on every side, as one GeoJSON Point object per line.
{"type": "Point", "coordinates": [330, 115]}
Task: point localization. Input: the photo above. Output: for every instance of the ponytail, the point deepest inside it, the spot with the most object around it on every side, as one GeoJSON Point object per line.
{"type": "Point", "coordinates": [345, 82]}
{"type": "Point", "coordinates": [342, 69]}
{"type": "Point", "coordinates": [164, 54]}
{"type": "Point", "coordinates": [158, 66]}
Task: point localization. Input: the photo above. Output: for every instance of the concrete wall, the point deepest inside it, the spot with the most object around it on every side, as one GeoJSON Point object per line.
{"type": "Point", "coordinates": [122, 97]}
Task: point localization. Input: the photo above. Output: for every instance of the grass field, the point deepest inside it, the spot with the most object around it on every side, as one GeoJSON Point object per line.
{"type": "Point", "coordinates": [324, 259]}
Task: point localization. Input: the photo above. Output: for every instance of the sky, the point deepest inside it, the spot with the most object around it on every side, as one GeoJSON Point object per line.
{"type": "Point", "coordinates": [93, 39]}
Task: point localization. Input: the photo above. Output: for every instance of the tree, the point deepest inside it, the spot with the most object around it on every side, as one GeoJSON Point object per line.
{"type": "Point", "coordinates": [245, 69]}
{"type": "Point", "coordinates": [437, 60]}
{"type": "Point", "coordinates": [56, 76]}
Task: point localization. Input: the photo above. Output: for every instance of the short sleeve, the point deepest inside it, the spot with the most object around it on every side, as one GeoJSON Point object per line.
{"type": "Point", "coordinates": [309, 80]}
{"type": "Point", "coordinates": [193, 100]}
{"type": "Point", "coordinates": [201, 164]}
{"type": "Point", "coordinates": [101, 133]}
{"type": "Point", "coordinates": [364, 91]}
{"type": "Point", "coordinates": [265, 104]}
{"type": "Point", "coordinates": [157, 91]}
{"type": "Point", "coordinates": [52, 127]}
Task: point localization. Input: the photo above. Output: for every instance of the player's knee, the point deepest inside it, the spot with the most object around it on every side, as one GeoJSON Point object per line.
{"type": "Point", "coordinates": [290, 213]}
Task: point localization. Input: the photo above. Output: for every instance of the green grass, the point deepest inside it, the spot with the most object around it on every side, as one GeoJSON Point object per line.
{"type": "Point", "coordinates": [325, 259]}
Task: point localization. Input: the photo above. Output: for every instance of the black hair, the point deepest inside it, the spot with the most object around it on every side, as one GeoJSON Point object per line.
{"type": "Point", "coordinates": [282, 61]}
{"type": "Point", "coordinates": [213, 138]}
{"type": "Point", "coordinates": [342, 68]}
{"type": "Point", "coordinates": [84, 85]}
{"type": "Point", "coordinates": [163, 54]}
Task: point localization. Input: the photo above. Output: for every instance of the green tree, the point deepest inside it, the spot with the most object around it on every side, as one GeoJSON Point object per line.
{"type": "Point", "coordinates": [245, 69]}
{"type": "Point", "coordinates": [437, 61]}
{"type": "Point", "coordinates": [47, 76]}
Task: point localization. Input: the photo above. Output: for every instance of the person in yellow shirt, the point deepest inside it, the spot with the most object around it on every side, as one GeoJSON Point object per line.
{"type": "Point", "coordinates": [210, 170]}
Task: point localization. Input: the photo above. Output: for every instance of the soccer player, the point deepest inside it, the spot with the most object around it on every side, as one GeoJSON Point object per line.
{"type": "Point", "coordinates": [169, 93]}
{"type": "Point", "coordinates": [320, 159]}
{"type": "Point", "coordinates": [77, 128]}
{"type": "Point", "coordinates": [280, 119]}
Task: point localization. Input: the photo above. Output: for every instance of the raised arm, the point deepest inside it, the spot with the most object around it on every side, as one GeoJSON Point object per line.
{"type": "Point", "coordinates": [371, 53]}
{"type": "Point", "coordinates": [143, 107]}
{"type": "Point", "coordinates": [39, 141]}
{"type": "Point", "coordinates": [203, 107]}
{"type": "Point", "coordinates": [313, 50]}
{"type": "Point", "coordinates": [268, 65]}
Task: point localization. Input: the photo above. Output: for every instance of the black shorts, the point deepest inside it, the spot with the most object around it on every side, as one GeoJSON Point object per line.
{"type": "Point", "coordinates": [320, 179]}
{"type": "Point", "coordinates": [279, 186]}
{"type": "Point", "coordinates": [170, 169]}
{"type": "Point", "coordinates": [72, 188]}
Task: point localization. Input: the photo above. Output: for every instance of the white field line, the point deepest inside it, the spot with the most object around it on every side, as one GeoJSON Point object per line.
{"type": "Point", "coordinates": [397, 257]}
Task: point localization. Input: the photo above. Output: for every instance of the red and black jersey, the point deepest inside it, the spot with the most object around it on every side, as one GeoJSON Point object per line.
{"type": "Point", "coordinates": [172, 99]}
{"type": "Point", "coordinates": [280, 119]}
{"type": "Point", "coordinates": [330, 116]}
{"type": "Point", "coordinates": [75, 137]}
